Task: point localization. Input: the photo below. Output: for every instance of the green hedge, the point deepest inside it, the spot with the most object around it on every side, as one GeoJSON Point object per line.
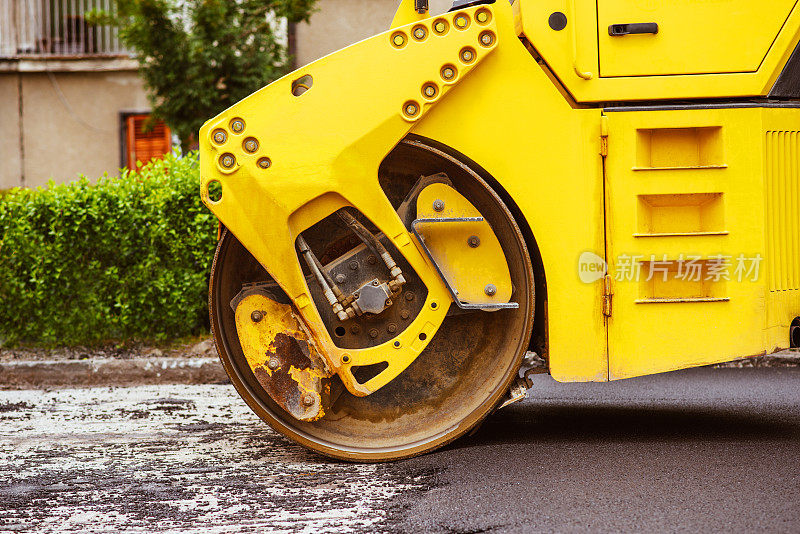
{"type": "Point", "coordinates": [124, 259]}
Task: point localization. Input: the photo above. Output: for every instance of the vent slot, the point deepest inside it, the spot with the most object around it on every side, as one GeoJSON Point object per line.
{"type": "Point", "coordinates": [782, 209]}
{"type": "Point", "coordinates": [681, 214]}
{"type": "Point", "coordinates": [680, 148]}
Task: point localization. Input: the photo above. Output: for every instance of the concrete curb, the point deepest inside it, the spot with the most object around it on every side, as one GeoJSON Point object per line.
{"type": "Point", "coordinates": [110, 372]}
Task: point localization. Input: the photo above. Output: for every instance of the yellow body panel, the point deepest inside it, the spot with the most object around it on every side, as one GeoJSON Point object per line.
{"type": "Point", "coordinates": [650, 184]}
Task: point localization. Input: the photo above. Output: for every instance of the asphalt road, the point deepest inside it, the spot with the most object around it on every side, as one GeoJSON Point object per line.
{"type": "Point", "coordinates": [704, 450]}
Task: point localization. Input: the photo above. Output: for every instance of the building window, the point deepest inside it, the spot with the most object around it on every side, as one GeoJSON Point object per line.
{"type": "Point", "coordinates": [140, 144]}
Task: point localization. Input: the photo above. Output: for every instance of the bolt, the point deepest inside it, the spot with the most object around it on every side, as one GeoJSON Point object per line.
{"type": "Point", "coordinates": [438, 205]}
{"type": "Point", "coordinates": [482, 17]}
{"type": "Point", "coordinates": [391, 328]}
{"type": "Point", "coordinates": [388, 302]}
{"type": "Point", "coordinates": [467, 56]}
{"type": "Point", "coordinates": [396, 344]}
{"type": "Point", "coordinates": [340, 278]}
{"type": "Point", "coordinates": [440, 27]}
{"type": "Point", "coordinates": [398, 39]}
{"type": "Point", "coordinates": [448, 73]}
{"type": "Point", "coordinates": [405, 315]}
{"type": "Point", "coordinates": [375, 283]}
{"type": "Point", "coordinates": [411, 109]}
{"type": "Point", "coordinates": [355, 329]}
{"type": "Point", "coordinates": [409, 296]}
{"type": "Point", "coordinates": [308, 399]}
{"type": "Point", "coordinates": [273, 364]}
{"type": "Point", "coordinates": [353, 265]}
{"type": "Point", "coordinates": [474, 241]}
{"type": "Point", "coordinates": [345, 358]}
{"type": "Point", "coordinates": [264, 163]}
{"type": "Point", "coordinates": [373, 333]}
{"type": "Point", "coordinates": [227, 161]}
{"type": "Point", "coordinates": [237, 125]}
{"type": "Point", "coordinates": [372, 260]}
{"type": "Point", "coordinates": [220, 137]}
{"type": "Point", "coordinates": [251, 145]}
{"type": "Point", "coordinates": [487, 39]}
{"type": "Point", "coordinates": [490, 290]}
{"type": "Point", "coordinates": [429, 90]}
{"type": "Point", "coordinates": [420, 33]}
{"type": "Point", "coordinates": [256, 316]}
{"type": "Point", "coordinates": [461, 21]}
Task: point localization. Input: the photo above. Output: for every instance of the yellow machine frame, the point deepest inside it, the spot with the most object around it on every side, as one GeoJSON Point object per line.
{"type": "Point", "coordinates": [651, 183]}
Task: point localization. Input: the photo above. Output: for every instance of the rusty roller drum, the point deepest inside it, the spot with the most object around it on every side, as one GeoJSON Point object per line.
{"type": "Point", "coordinates": [458, 379]}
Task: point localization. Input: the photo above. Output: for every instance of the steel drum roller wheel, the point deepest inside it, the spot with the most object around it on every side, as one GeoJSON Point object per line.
{"type": "Point", "coordinates": [456, 382]}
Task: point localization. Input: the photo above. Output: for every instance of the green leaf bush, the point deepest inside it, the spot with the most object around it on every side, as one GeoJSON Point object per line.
{"type": "Point", "coordinates": [127, 258]}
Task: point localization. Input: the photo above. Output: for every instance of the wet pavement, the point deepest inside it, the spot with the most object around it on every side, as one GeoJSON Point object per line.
{"type": "Point", "coordinates": [701, 450]}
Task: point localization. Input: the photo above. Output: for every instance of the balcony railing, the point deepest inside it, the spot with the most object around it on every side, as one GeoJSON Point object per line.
{"type": "Point", "coordinates": [50, 28]}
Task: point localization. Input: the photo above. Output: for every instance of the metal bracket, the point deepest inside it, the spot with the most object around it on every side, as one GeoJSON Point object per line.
{"type": "Point", "coordinates": [459, 303]}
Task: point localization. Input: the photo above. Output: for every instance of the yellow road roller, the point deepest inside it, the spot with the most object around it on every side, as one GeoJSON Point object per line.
{"type": "Point", "coordinates": [597, 189]}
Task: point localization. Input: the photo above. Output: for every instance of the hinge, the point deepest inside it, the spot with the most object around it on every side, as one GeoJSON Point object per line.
{"type": "Point", "coordinates": [603, 135]}
{"type": "Point", "coordinates": [608, 295]}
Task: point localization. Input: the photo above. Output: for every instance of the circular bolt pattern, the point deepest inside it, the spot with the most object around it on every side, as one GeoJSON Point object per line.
{"type": "Point", "coordinates": [405, 315]}
{"type": "Point", "coordinates": [256, 316]}
{"type": "Point", "coordinates": [250, 145]}
{"type": "Point", "coordinates": [237, 125]}
{"type": "Point", "coordinates": [440, 26]}
{"type": "Point", "coordinates": [461, 22]}
{"type": "Point", "coordinates": [373, 333]}
{"type": "Point", "coordinates": [429, 90]}
{"type": "Point", "coordinates": [273, 364]}
{"type": "Point", "coordinates": [467, 55]}
{"type": "Point", "coordinates": [438, 205]}
{"type": "Point", "coordinates": [340, 278]}
{"type": "Point", "coordinates": [398, 40]}
{"type": "Point", "coordinates": [490, 290]}
{"type": "Point", "coordinates": [391, 328]}
{"type": "Point", "coordinates": [474, 241]}
{"type": "Point", "coordinates": [220, 136]}
{"type": "Point", "coordinates": [308, 399]}
{"type": "Point", "coordinates": [487, 38]}
{"type": "Point", "coordinates": [353, 265]}
{"type": "Point", "coordinates": [420, 33]}
{"type": "Point", "coordinates": [483, 16]}
{"type": "Point", "coordinates": [448, 73]}
{"type": "Point", "coordinates": [345, 358]}
{"type": "Point", "coordinates": [411, 109]}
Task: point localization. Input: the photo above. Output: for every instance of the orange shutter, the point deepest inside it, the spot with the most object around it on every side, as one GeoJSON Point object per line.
{"type": "Point", "coordinates": [146, 146]}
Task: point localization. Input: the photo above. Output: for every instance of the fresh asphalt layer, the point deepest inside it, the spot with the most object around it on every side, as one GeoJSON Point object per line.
{"type": "Point", "coordinates": [702, 450]}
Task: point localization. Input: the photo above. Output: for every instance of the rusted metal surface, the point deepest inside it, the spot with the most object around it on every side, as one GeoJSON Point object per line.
{"type": "Point", "coordinates": [280, 354]}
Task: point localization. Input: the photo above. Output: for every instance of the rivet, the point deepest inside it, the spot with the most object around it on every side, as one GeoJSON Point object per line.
{"type": "Point", "coordinates": [487, 38]}
{"type": "Point", "coordinates": [438, 205]}
{"type": "Point", "coordinates": [490, 290]}
{"type": "Point", "coordinates": [256, 316]}
{"type": "Point", "coordinates": [411, 109]}
{"type": "Point", "coordinates": [237, 125]}
{"type": "Point", "coordinates": [420, 33]}
{"type": "Point", "coordinates": [474, 241]}
{"type": "Point", "coordinates": [353, 265]}
{"type": "Point", "coordinates": [391, 328]}
{"type": "Point", "coordinates": [264, 163]}
{"type": "Point", "coordinates": [340, 278]}
{"type": "Point", "coordinates": [467, 55]}
{"type": "Point", "coordinates": [429, 90]}
{"type": "Point", "coordinates": [373, 333]}
{"type": "Point", "coordinates": [220, 136]}
{"type": "Point", "coordinates": [273, 364]}
{"type": "Point", "coordinates": [308, 399]}
{"type": "Point", "coordinates": [250, 144]}
{"type": "Point", "coordinates": [227, 161]}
